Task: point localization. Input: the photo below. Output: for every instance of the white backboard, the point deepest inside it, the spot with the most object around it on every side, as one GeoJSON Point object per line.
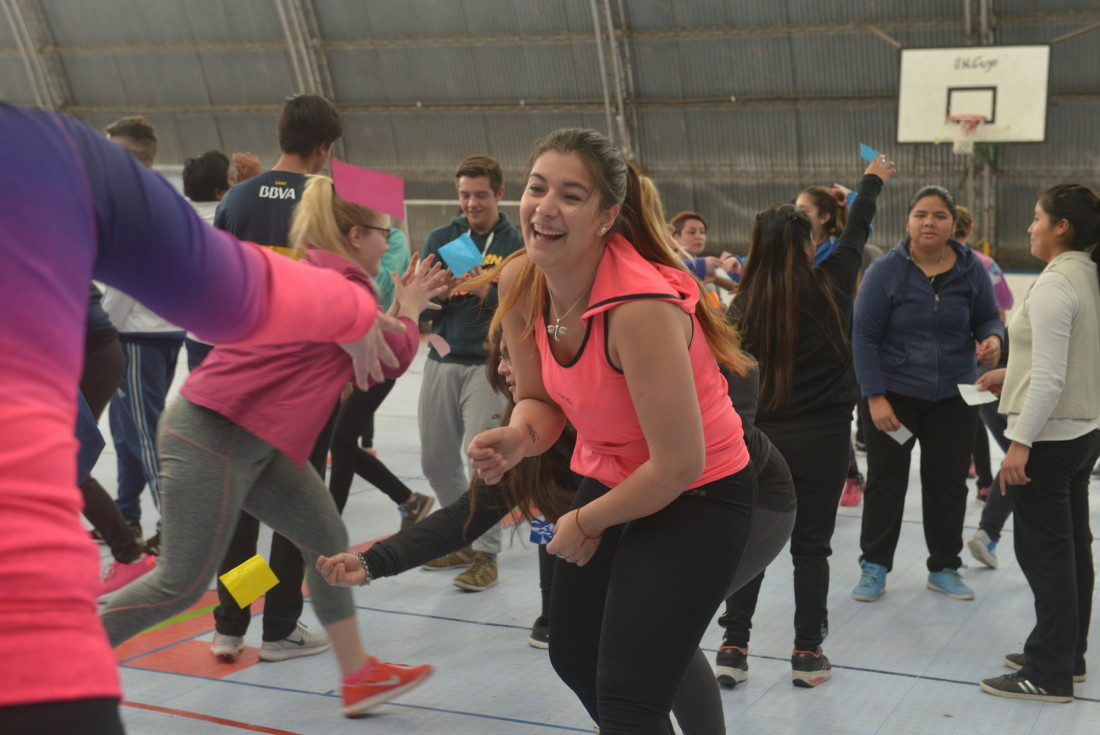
{"type": "Point", "coordinates": [1006, 84]}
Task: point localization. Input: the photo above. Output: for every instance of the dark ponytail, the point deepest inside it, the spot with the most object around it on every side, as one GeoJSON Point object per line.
{"type": "Point", "coordinates": [1080, 206]}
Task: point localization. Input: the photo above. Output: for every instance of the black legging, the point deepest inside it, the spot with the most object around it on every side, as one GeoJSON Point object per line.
{"type": "Point", "coordinates": [349, 460]}
{"type": "Point", "coordinates": [657, 579]}
{"type": "Point", "coordinates": [88, 716]}
{"type": "Point", "coordinates": [104, 365]}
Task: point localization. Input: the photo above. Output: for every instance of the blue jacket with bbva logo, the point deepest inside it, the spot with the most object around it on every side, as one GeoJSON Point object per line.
{"type": "Point", "coordinates": [907, 339]}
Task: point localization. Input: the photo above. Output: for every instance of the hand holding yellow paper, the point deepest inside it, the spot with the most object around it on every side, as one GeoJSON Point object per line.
{"type": "Point", "coordinates": [249, 580]}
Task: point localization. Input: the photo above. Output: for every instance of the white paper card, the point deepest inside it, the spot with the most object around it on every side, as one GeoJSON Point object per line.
{"type": "Point", "coordinates": [973, 396]}
{"type": "Point", "coordinates": [900, 435]}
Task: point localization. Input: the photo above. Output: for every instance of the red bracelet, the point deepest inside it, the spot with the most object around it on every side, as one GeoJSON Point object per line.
{"type": "Point", "coordinates": [587, 538]}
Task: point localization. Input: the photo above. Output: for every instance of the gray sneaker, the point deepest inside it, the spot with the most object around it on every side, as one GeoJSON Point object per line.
{"type": "Point", "coordinates": [299, 643]}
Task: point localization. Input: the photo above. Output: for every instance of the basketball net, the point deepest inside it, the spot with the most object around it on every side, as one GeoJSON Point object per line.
{"type": "Point", "coordinates": [968, 124]}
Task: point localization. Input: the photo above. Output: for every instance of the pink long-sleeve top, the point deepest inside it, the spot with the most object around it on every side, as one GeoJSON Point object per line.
{"type": "Point", "coordinates": [74, 206]}
{"type": "Point", "coordinates": [284, 394]}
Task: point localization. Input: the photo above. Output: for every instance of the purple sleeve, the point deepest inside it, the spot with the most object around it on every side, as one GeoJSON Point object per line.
{"type": "Point", "coordinates": [697, 266]}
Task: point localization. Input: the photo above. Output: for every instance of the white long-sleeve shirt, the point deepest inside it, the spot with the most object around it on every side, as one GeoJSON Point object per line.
{"type": "Point", "coordinates": [1051, 305]}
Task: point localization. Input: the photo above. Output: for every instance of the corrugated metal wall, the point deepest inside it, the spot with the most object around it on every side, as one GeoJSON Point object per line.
{"type": "Point", "coordinates": [731, 106]}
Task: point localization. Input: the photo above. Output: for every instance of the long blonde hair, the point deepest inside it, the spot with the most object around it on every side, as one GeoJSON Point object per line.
{"type": "Point", "coordinates": [322, 219]}
{"type": "Point", "coordinates": [640, 221]}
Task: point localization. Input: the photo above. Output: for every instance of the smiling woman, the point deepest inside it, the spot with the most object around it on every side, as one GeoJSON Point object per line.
{"type": "Point", "coordinates": [668, 494]}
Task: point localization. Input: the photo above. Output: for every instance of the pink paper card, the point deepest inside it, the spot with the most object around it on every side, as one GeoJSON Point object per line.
{"type": "Point", "coordinates": [439, 344]}
{"type": "Point", "coordinates": [371, 189]}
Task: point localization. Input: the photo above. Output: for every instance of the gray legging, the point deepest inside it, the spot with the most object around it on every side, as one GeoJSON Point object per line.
{"type": "Point", "coordinates": [698, 703]}
{"type": "Point", "coordinates": [211, 470]}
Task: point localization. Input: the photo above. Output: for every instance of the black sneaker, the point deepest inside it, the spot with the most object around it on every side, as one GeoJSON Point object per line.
{"type": "Point", "coordinates": [1017, 661]}
{"type": "Point", "coordinates": [152, 546]}
{"type": "Point", "coordinates": [540, 633]}
{"type": "Point", "coordinates": [732, 665]}
{"type": "Point", "coordinates": [1015, 686]}
{"type": "Point", "coordinates": [809, 668]}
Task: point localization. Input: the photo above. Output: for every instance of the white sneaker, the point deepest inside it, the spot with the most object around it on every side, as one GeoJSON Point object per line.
{"type": "Point", "coordinates": [227, 647]}
{"type": "Point", "coordinates": [983, 548]}
{"type": "Point", "coordinates": [299, 643]}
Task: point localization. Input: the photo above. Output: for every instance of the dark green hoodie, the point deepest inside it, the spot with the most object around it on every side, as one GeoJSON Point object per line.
{"type": "Point", "coordinates": [464, 319]}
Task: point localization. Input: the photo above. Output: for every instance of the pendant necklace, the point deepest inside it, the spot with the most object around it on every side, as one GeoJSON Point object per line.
{"type": "Point", "coordinates": [556, 329]}
{"type": "Point", "coordinates": [943, 252]}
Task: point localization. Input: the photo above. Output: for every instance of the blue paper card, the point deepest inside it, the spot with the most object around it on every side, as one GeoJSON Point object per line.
{"type": "Point", "coordinates": [461, 255]}
{"type": "Point", "coordinates": [542, 532]}
{"type": "Point", "coordinates": [867, 153]}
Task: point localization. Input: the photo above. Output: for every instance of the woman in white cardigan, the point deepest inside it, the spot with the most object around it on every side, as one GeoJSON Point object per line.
{"type": "Point", "coordinates": [1051, 394]}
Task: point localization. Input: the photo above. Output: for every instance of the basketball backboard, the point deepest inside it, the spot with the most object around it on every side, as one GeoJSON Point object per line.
{"type": "Point", "coordinates": [1007, 85]}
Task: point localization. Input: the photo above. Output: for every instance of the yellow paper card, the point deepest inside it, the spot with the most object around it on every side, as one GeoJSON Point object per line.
{"type": "Point", "coordinates": [249, 580]}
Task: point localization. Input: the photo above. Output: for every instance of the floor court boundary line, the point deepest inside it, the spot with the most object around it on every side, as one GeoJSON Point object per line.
{"type": "Point", "coordinates": [330, 694]}
{"type": "Point", "coordinates": [206, 718]}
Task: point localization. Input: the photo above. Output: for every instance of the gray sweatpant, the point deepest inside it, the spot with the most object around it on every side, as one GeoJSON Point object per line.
{"type": "Point", "coordinates": [211, 470]}
{"type": "Point", "coordinates": [456, 404]}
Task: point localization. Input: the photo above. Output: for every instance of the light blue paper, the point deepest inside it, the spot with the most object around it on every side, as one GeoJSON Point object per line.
{"type": "Point", "coordinates": [461, 255]}
{"type": "Point", "coordinates": [867, 153]}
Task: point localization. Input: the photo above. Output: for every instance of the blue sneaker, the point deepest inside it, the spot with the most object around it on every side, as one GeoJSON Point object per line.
{"type": "Point", "coordinates": [950, 583]}
{"type": "Point", "coordinates": [872, 585]}
{"type": "Point", "coordinates": [983, 548]}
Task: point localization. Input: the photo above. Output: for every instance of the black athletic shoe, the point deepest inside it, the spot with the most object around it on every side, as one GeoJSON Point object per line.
{"type": "Point", "coordinates": [732, 666]}
{"type": "Point", "coordinates": [809, 668]}
{"type": "Point", "coordinates": [1015, 686]}
{"type": "Point", "coordinates": [540, 633]}
{"type": "Point", "coordinates": [152, 546]}
{"type": "Point", "coordinates": [1017, 661]}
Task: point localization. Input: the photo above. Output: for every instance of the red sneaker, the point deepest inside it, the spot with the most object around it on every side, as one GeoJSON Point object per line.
{"type": "Point", "coordinates": [382, 683]}
{"type": "Point", "coordinates": [118, 575]}
{"type": "Point", "coordinates": [853, 491]}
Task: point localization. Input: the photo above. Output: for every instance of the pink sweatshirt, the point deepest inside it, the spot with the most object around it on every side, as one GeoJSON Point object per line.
{"type": "Point", "coordinates": [284, 394]}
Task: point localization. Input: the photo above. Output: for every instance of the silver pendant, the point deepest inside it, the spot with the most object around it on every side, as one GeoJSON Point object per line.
{"type": "Point", "coordinates": [556, 330]}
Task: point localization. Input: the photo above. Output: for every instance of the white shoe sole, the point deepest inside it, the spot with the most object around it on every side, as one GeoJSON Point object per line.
{"type": "Point", "coordinates": [536, 643]}
{"type": "Point", "coordinates": [285, 654]}
{"type": "Point", "coordinates": [474, 587]}
{"type": "Point", "coordinates": [729, 676]}
{"type": "Point", "coordinates": [982, 553]}
{"type": "Point", "coordinates": [810, 679]}
{"type": "Point", "coordinates": [228, 654]}
{"type": "Point", "coordinates": [868, 598]}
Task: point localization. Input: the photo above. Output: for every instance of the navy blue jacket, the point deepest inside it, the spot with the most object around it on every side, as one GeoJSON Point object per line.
{"type": "Point", "coordinates": [909, 340]}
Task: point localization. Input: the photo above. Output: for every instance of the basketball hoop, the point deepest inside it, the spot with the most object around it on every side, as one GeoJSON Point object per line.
{"type": "Point", "coordinates": [968, 124]}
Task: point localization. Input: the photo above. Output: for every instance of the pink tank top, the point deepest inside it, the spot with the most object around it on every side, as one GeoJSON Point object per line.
{"type": "Point", "coordinates": [594, 395]}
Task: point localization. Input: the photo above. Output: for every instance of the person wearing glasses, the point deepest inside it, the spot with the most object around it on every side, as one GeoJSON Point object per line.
{"type": "Point", "coordinates": [259, 210]}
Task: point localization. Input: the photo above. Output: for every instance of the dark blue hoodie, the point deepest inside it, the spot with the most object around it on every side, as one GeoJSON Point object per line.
{"type": "Point", "coordinates": [909, 340]}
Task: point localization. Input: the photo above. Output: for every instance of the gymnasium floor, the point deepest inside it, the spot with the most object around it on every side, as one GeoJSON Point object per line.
{"type": "Point", "coordinates": [907, 664]}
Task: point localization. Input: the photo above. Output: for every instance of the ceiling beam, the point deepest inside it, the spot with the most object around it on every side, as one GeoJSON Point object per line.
{"type": "Point", "coordinates": [897, 25]}
{"type": "Point", "coordinates": [535, 107]}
